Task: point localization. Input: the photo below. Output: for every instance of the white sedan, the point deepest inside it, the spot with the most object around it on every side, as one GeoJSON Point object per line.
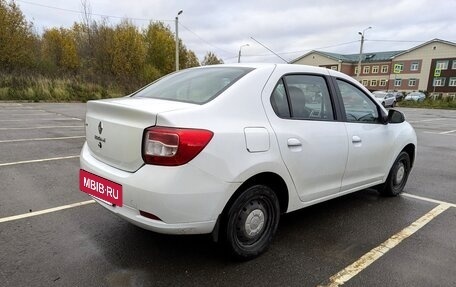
{"type": "Point", "coordinates": [385, 99]}
{"type": "Point", "coordinates": [227, 149]}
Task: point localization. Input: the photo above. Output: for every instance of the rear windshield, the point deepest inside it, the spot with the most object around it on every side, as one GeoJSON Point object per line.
{"type": "Point", "coordinates": [196, 86]}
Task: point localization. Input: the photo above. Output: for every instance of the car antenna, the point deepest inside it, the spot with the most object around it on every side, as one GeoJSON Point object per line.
{"type": "Point", "coordinates": [269, 49]}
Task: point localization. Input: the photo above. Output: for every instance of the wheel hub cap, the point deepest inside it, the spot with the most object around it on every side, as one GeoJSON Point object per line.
{"type": "Point", "coordinates": [254, 223]}
{"type": "Point", "coordinates": [400, 174]}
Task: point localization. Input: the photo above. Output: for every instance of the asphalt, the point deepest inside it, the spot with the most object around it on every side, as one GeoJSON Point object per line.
{"type": "Point", "coordinates": [88, 246]}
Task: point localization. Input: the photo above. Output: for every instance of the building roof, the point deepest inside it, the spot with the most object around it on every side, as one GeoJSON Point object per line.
{"type": "Point", "coordinates": [353, 58]}
{"type": "Point", "coordinates": [372, 56]}
{"type": "Point", "coordinates": [427, 43]}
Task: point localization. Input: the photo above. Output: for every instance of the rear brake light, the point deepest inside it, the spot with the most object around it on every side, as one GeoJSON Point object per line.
{"type": "Point", "coordinates": [173, 146]}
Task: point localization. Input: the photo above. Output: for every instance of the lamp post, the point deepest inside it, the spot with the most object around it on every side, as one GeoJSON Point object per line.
{"type": "Point", "coordinates": [239, 56]}
{"type": "Point", "coordinates": [177, 39]}
{"type": "Point", "coordinates": [361, 51]}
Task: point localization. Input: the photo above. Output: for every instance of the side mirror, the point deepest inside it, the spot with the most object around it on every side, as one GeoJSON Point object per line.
{"type": "Point", "coordinates": [395, 117]}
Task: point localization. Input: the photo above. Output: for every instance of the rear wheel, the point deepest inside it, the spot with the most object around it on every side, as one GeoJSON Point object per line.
{"type": "Point", "coordinates": [251, 222]}
{"type": "Point", "coordinates": [397, 177]}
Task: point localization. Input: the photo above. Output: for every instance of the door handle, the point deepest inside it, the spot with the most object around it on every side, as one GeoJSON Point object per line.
{"type": "Point", "coordinates": [356, 139]}
{"type": "Point", "coordinates": [293, 142]}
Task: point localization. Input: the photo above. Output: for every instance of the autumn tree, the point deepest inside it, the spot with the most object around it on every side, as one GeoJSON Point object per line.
{"type": "Point", "coordinates": [59, 50]}
{"type": "Point", "coordinates": [211, 59]}
{"type": "Point", "coordinates": [17, 41]}
{"type": "Point", "coordinates": [128, 52]}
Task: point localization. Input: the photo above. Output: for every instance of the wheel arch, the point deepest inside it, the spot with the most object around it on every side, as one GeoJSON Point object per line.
{"type": "Point", "coordinates": [410, 149]}
{"type": "Point", "coordinates": [271, 179]}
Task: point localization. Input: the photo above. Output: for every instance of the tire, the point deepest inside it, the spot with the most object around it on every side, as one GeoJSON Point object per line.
{"type": "Point", "coordinates": [397, 177]}
{"type": "Point", "coordinates": [393, 104]}
{"type": "Point", "coordinates": [383, 104]}
{"type": "Point", "coordinates": [251, 222]}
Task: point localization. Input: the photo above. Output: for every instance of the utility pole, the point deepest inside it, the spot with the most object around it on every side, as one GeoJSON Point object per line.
{"type": "Point", "coordinates": [177, 40]}
{"type": "Point", "coordinates": [361, 52]}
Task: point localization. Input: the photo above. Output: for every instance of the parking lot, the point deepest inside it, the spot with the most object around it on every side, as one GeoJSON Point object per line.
{"type": "Point", "coordinates": [53, 234]}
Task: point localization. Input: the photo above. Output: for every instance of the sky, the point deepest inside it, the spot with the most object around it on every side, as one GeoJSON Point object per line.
{"type": "Point", "coordinates": [290, 28]}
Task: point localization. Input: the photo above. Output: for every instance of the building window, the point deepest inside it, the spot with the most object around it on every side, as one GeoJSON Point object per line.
{"type": "Point", "coordinates": [441, 65]}
{"type": "Point", "coordinates": [374, 69]}
{"type": "Point", "coordinates": [334, 68]}
{"type": "Point", "coordinates": [398, 68]}
{"type": "Point", "coordinates": [384, 69]}
{"type": "Point", "coordinates": [365, 83]}
{"type": "Point", "coordinates": [452, 82]}
{"type": "Point", "coordinates": [382, 82]}
{"type": "Point", "coordinates": [356, 70]}
{"type": "Point", "coordinates": [412, 82]}
{"type": "Point", "coordinates": [414, 66]}
{"type": "Point", "coordinates": [366, 69]}
{"type": "Point", "coordinates": [439, 82]}
{"type": "Point", "coordinates": [373, 83]}
{"type": "Point", "coordinates": [398, 82]}
{"type": "Point", "coordinates": [454, 65]}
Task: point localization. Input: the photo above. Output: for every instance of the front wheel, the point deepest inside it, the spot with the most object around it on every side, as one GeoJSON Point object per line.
{"type": "Point", "coordinates": [251, 222]}
{"type": "Point", "coordinates": [397, 177]}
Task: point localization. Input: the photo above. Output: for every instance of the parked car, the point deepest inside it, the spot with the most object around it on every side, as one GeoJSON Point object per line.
{"type": "Point", "coordinates": [399, 96]}
{"type": "Point", "coordinates": [415, 96]}
{"type": "Point", "coordinates": [385, 99]}
{"type": "Point", "coordinates": [227, 149]}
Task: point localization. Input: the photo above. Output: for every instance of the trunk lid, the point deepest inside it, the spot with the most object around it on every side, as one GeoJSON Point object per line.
{"type": "Point", "coordinates": [115, 127]}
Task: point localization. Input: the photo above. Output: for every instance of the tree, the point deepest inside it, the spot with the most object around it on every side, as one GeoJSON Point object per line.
{"type": "Point", "coordinates": [128, 53]}
{"type": "Point", "coordinates": [59, 49]}
{"type": "Point", "coordinates": [17, 41]}
{"type": "Point", "coordinates": [160, 47]}
{"type": "Point", "coordinates": [211, 59]}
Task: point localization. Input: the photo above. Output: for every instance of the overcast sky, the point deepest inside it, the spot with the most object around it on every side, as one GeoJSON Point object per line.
{"type": "Point", "coordinates": [290, 28]}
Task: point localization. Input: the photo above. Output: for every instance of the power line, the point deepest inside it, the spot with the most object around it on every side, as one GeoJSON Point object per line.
{"type": "Point", "coordinates": [199, 37]}
{"type": "Point", "coordinates": [397, 41]}
{"type": "Point", "coordinates": [90, 13]}
{"type": "Point", "coordinates": [299, 51]}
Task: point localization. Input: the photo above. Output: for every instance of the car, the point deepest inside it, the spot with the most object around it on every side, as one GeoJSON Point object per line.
{"type": "Point", "coordinates": [399, 96]}
{"type": "Point", "coordinates": [385, 99]}
{"type": "Point", "coordinates": [227, 149]}
{"type": "Point", "coordinates": [415, 96]}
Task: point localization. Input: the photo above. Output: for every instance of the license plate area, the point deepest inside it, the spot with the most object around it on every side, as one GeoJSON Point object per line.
{"type": "Point", "coordinates": [101, 188]}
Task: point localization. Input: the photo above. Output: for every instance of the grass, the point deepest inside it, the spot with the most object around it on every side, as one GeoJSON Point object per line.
{"type": "Point", "coordinates": [41, 89]}
{"type": "Point", "coordinates": [442, 103]}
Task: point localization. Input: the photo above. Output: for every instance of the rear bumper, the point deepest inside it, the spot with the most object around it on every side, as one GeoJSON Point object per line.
{"type": "Point", "coordinates": [185, 198]}
{"type": "Point", "coordinates": [132, 215]}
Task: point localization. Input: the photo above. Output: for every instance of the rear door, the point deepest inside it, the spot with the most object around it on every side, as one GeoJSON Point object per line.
{"type": "Point", "coordinates": [312, 142]}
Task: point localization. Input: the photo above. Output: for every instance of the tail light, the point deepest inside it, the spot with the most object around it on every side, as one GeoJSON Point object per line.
{"type": "Point", "coordinates": [173, 146]}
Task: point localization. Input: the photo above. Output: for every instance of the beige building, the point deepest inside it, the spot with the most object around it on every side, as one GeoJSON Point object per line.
{"type": "Point", "coordinates": [428, 67]}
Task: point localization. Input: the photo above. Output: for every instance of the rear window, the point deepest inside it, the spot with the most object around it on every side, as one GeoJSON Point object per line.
{"type": "Point", "coordinates": [196, 86]}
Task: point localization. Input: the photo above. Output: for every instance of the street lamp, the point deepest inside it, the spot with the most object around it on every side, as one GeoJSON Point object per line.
{"type": "Point", "coordinates": [239, 56]}
{"type": "Point", "coordinates": [361, 51]}
{"type": "Point", "coordinates": [177, 39]}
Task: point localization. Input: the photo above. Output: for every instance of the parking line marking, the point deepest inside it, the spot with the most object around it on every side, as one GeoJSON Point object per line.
{"type": "Point", "coordinates": [426, 120]}
{"type": "Point", "coordinates": [428, 199]}
{"type": "Point", "coordinates": [40, 139]}
{"type": "Point", "coordinates": [38, 160]}
{"type": "Point", "coordinates": [34, 120]}
{"type": "Point", "coordinates": [370, 257]}
{"type": "Point", "coordinates": [436, 133]}
{"type": "Point", "coordinates": [28, 115]}
{"type": "Point", "coordinates": [40, 127]}
{"type": "Point", "coordinates": [447, 132]}
{"type": "Point", "coordinates": [44, 211]}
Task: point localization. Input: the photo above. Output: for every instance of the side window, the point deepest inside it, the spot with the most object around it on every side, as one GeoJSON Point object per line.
{"type": "Point", "coordinates": [304, 97]}
{"type": "Point", "coordinates": [358, 106]}
{"type": "Point", "coordinates": [279, 101]}
{"type": "Point", "coordinates": [309, 97]}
